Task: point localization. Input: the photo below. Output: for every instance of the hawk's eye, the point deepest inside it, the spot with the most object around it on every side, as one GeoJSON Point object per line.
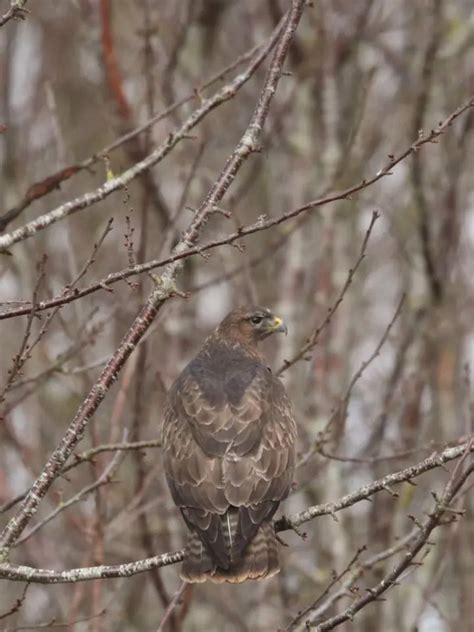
{"type": "Point", "coordinates": [256, 320]}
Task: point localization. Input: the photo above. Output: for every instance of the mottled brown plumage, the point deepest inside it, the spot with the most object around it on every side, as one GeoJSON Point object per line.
{"type": "Point", "coordinates": [229, 450]}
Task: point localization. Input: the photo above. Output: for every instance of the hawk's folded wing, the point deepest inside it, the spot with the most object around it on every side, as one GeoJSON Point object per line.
{"type": "Point", "coordinates": [228, 443]}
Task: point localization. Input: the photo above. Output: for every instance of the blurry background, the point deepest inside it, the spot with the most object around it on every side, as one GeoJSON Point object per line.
{"type": "Point", "coordinates": [366, 77]}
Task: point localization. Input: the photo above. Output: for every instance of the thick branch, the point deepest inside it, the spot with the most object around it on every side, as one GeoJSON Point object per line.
{"type": "Point", "coordinates": [46, 576]}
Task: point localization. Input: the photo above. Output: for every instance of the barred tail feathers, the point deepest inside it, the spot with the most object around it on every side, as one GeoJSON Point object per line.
{"type": "Point", "coordinates": [258, 560]}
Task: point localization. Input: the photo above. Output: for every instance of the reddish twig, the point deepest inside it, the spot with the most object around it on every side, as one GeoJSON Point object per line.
{"type": "Point", "coordinates": [260, 225]}
{"type": "Point", "coordinates": [113, 75]}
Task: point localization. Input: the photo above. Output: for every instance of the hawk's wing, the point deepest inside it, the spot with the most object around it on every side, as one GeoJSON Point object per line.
{"type": "Point", "coordinates": [228, 443]}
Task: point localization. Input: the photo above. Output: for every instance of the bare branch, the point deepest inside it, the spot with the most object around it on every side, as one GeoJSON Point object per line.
{"type": "Point", "coordinates": [436, 460]}
{"type": "Point", "coordinates": [46, 576]}
{"type": "Point", "coordinates": [40, 189]}
{"type": "Point", "coordinates": [260, 225]}
{"type": "Point", "coordinates": [313, 339]}
{"type": "Point", "coordinates": [17, 605]}
{"type": "Point", "coordinates": [88, 199]}
{"type": "Point", "coordinates": [373, 594]}
{"type": "Point", "coordinates": [17, 10]}
{"type": "Point", "coordinates": [88, 456]}
{"type": "Point", "coordinates": [103, 479]}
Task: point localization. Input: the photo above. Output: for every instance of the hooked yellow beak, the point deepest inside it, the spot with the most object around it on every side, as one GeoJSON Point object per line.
{"type": "Point", "coordinates": [278, 326]}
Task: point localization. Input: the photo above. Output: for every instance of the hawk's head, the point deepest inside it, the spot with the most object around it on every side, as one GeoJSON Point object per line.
{"type": "Point", "coordinates": [250, 325]}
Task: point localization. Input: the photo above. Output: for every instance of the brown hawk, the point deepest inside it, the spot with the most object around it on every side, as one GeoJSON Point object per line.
{"type": "Point", "coordinates": [229, 451]}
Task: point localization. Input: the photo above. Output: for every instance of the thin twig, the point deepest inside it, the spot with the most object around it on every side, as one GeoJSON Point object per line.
{"type": "Point", "coordinates": [313, 339]}
{"type": "Point", "coordinates": [17, 10]}
{"type": "Point", "coordinates": [172, 606]}
{"type": "Point", "coordinates": [87, 456]}
{"type": "Point", "coordinates": [17, 605]}
{"type": "Point", "coordinates": [103, 479]}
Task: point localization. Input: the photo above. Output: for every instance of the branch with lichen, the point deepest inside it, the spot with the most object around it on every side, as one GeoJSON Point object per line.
{"type": "Point", "coordinates": [15, 572]}
{"type": "Point", "coordinates": [16, 11]}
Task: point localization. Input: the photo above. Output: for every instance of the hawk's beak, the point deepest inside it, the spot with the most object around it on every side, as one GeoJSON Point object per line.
{"type": "Point", "coordinates": [278, 326]}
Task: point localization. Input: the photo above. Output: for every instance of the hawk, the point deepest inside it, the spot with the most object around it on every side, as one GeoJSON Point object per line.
{"type": "Point", "coordinates": [229, 451]}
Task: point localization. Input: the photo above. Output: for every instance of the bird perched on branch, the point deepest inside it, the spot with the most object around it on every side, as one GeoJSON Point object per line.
{"type": "Point", "coordinates": [229, 451]}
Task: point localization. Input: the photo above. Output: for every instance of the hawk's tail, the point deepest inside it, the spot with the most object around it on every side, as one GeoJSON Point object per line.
{"type": "Point", "coordinates": [259, 560]}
